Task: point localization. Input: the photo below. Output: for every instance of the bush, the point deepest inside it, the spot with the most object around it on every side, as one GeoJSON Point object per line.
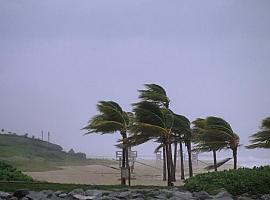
{"type": "Point", "coordinates": [10, 173]}
{"type": "Point", "coordinates": [243, 180]}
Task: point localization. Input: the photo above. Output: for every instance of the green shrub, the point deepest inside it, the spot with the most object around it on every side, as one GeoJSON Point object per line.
{"type": "Point", "coordinates": [10, 173]}
{"type": "Point", "coordinates": [236, 182]}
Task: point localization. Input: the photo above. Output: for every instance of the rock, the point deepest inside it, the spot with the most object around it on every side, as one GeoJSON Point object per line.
{"type": "Point", "coordinates": [109, 198]}
{"type": "Point", "coordinates": [223, 195]}
{"type": "Point", "coordinates": [137, 195]}
{"type": "Point", "coordinates": [77, 191]}
{"type": "Point", "coordinates": [95, 193]}
{"type": "Point", "coordinates": [24, 198]}
{"type": "Point", "coordinates": [139, 198]}
{"type": "Point", "coordinates": [124, 195]}
{"type": "Point", "coordinates": [20, 193]}
{"type": "Point", "coordinates": [244, 198]}
{"type": "Point", "coordinates": [83, 197]}
{"type": "Point", "coordinates": [62, 195]}
{"type": "Point", "coordinates": [36, 196]}
{"type": "Point", "coordinates": [161, 196]}
{"type": "Point", "coordinates": [202, 195]}
{"type": "Point", "coordinates": [182, 195]}
{"type": "Point", "coordinates": [13, 198]}
{"type": "Point", "coordinates": [265, 197]}
{"type": "Point", "coordinates": [57, 193]}
{"type": "Point", "coordinates": [4, 195]}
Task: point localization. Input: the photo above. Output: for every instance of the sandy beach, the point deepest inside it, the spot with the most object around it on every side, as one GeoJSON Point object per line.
{"type": "Point", "coordinates": [146, 172]}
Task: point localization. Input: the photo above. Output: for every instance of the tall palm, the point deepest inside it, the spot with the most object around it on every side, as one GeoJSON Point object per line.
{"type": "Point", "coordinates": [156, 94]}
{"type": "Point", "coordinates": [261, 139]}
{"type": "Point", "coordinates": [153, 122]}
{"type": "Point", "coordinates": [218, 134]}
{"type": "Point", "coordinates": [111, 118]}
{"type": "Point", "coordinates": [182, 132]}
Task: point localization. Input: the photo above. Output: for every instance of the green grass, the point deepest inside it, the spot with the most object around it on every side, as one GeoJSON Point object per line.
{"type": "Point", "coordinates": [236, 182]}
{"type": "Point", "coordinates": [29, 154]}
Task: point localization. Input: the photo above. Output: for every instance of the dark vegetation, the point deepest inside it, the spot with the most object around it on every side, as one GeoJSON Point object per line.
{"type": "Point", "coordinates": [38, 186]}
{"type": "Point", "coordinates": [10, 173]}
{"type": "Point", "coordinates": [29, 154]}
{"type": "Point", "coordinates": [236, 182]}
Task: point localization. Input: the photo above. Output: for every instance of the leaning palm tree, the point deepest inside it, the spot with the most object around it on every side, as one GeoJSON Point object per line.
{"type": "Point", "coordinates": [153, 122]}
{"type": "Point", "coordinates": [156, 94]}
{"type": "Point", "coordinates": [217, 134]}
{"type": "Point", "coordinates": [261, 139]}
{"type": "Point", "coordinates": [182, 134]}
{"type": "Point", "coordinates": [201, 139]}
{"type": "Point", "coordinates": [111, 118]}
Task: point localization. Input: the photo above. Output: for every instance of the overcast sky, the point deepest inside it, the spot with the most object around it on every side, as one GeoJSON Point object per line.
{"type": "Point", "coordinates": [59, 57]}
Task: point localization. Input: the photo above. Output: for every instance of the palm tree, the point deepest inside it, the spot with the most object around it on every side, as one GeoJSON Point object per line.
{"type": "Point", "coordinates": [261, 139]}
{"type": "Point", "coordinates": [215, 134]}
{"type": "Point", "coordinates": [200, 128]}
{"type": "Point", "coordinates": [111, 118]}
{"type": "Point", "coordinates": [156, 94]}
{"type": "Point", "coordinates": [182, 133]}
{"type": "Point", "coordinates": [153, 122]}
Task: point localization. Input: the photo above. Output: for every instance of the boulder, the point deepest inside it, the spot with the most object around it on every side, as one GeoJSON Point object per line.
{"type": "Point", "coordinates": [4, 195]}
{"type": "Point", "coordinates": [265, 197]}
{"type": "Point", "coordinates": [36, 196]}
{"type": "Point", "coordinates": [124, 195]}
{"type": "Point", "coordinates": [77, 191]}
{"type": "Point", "coordinates": [202, 195]}
{"type": "Point", "coordinates": [244, 198]}
{"type": "Point", "coordinates": [62, 195]}
{"type": "Point", "coordinates": [20, 193]}
{"type": "Point", "coordinates": [83, 197]}
{"type": "Point", "coordinates": [182, 195]}
{"type": "Point", "coordinates": [95, 193]}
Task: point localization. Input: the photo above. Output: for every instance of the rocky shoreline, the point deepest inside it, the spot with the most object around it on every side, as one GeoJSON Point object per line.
{"type": "Point", "coordinates": [125, 194]}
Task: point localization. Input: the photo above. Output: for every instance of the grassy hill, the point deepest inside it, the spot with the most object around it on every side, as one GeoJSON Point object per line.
{"type": "Point", "coordinates": [30, 154]}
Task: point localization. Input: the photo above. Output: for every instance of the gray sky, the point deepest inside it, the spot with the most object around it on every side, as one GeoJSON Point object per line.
{"type": "Point", "coordinates": [59, 57]}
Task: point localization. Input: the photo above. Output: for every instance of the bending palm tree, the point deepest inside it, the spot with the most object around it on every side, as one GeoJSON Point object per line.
{"type": "Point", "coordinates": [201, 139]}
{"type": "Point", "coordinates": [214, 134]}
{"type": "Point", "coordinates": [182, 132]}
{"type": "Point", "coordinates": [261, 139]}
{"type": "Point", "coordinates": [111, 119]}
{"type": "Point", "coordinates": [153, 122]}
{"type": "Point", "coordinates": [156, 94]}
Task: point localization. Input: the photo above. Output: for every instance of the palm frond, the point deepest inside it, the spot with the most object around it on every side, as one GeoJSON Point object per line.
{"type": "Point", "coordinates": [261, 139]}
{"type": "Point", "coordinates": [154, 93]}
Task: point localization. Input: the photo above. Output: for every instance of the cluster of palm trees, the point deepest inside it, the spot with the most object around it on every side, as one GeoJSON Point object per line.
{"type": "Point", "coordinates": [152, 119]}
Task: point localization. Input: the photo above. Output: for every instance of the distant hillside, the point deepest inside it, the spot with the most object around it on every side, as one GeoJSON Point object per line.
{"type": "Point", "coordinates": [29, 154]}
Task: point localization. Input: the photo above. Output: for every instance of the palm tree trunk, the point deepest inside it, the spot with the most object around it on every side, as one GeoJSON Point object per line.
{"type": "Point", "coordinates": [235, 158]}
{"type": "Point", "coordinates": [164, 163]}
{"type": "Point", "coordinates": [169, 181]}
{"type": "Point", "coordinates": [124, 151]}
{"type": "Point", "coordinates": [182, 162]}
{"type": "Point", "coordinates": [127, 165]}
{"type": "Point", "coordinates": [189, 159]}
{"type": "Point", "coordinates": [174, 161]}
{"type": "Point", "coordinates": [171, 162]}
{"type": "Point", "coordinates": [215, 159]}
